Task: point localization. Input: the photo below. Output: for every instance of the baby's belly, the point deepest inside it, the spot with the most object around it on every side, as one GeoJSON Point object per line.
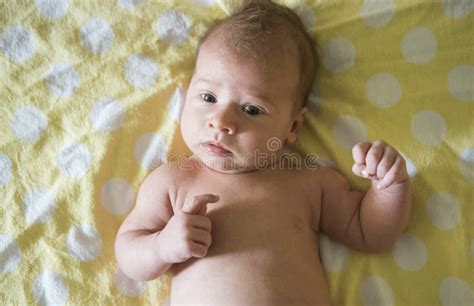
{"type": "Point", "coordinates": [257, 257]}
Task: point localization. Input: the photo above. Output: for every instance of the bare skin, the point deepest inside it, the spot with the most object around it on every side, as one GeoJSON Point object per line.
{"type": "Point", "coordinates": [236, 234]}
{"type": "Point", "coordinates": [264, 248]}
{"type": "Point", "coordinates": [264, 236]}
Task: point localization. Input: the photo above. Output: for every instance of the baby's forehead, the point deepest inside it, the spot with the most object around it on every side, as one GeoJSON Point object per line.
{"type": "Point", "coordinates": [277, 65]}
{"type": "Point", "coordinates": [265, 57]}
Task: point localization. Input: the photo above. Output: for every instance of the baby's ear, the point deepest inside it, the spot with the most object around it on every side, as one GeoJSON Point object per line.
{"type": "Point", "coordinates": [295, 126]}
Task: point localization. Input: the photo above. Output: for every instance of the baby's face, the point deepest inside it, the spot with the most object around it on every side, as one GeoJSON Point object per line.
{"type": "Point", "coordinates": [236, 111]}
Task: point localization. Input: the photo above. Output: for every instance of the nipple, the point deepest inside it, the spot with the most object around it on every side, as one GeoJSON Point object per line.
{"type": "Point", "coordinates": [299, 223]}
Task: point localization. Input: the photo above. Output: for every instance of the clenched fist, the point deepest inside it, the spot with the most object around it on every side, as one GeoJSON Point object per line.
{"type": "Point", "coordinates": [380, 162]}
{"type": "Point", "coordinates": [188, 233]}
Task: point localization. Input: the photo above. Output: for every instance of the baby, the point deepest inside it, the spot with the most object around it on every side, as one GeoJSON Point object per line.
{"type": "Point", "coordinates": [239, 225]}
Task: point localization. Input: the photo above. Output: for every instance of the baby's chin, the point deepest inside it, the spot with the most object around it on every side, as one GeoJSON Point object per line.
{"type": "Point", "coordinates": [225, 164]}
{"type": "Point", "coordinates": [237, 162]}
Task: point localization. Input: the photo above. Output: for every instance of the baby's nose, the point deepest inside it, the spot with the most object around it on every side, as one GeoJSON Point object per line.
{"type": "Point", "coordinates": [223, 122]}
{"type": "Point", "coordinates": [224, 127]}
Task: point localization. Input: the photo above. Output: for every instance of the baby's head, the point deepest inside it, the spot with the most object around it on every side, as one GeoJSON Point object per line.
{"type": "Point", "coordinates": [254, 71]}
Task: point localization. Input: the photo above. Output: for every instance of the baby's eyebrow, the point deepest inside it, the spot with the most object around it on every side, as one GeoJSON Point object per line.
{"type": "Point", "coordinates": [203, 80]}
{"type": "Point", "coordinates": [261, 97]}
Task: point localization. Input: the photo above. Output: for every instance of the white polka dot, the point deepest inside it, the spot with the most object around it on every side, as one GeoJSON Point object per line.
{"type": "Point", "coordinates": [29, 124]}
{"type": "Point", "coordinates": [39, 205]}
{"type": "Point", "coordinates": [5, 170]}
{"type": "Point", "coordinates": [151, 150]}
{"type": "Point", "coordinates": [377, 13]}
{"type": "Point", "coordinates": [383, 90]}
{"type": "Point", "coordinates": [419, 45]}
{"type": "Point", "coordinates": [461, 82]}
{"type": "Point", "coordinates": [410, 253]}
{"type": "Point", "coordinates": [130, 4]}
{"type": "Point", "coordinates": [84, 242]}
{"type": "Point", "coordinates": [458, 8]}
{"type": "Point", "coordinates": [52, 9]}
{"type": "Point", "coordinates": [314, 100]}
{"type": "Point", "coordinates": [428, 127]}
{"type": "Point", "coordinates": [50, 289]}
{"type": "Point", "coordinates": [176, 103]}
{"type": "Point", "coordinates": [172, 27]}
{"type": "Point", "coordinates": [334, 255]}
{"type": "Point", "coordinates": [443, 210]}
{"type": "Point", "coordinates": [107, 115]}
{"type": "Point", "coordinates": [306, 14]}
{"type": "Point", "coordinates": [466, 164]}
{"type": "Point", "coordinates": [375, 291]}
{"type": "Point", "coordinates": [127, 286]}
{"type": "Point", "coordinates": [18, 44]}
{"type": "Point", "coordinates": [74, 160]}
{"type": "Point", "coordinates": [455, 292]}
{"type": "Point", "coordinates": [10, 254]}
{"type": "Point", "coordinates": [338, 54]}
{"type": "Point", "coordinates": [141, 71]}
{"type": "Point", "coordinates": [97, 36]}
{"type": "Point", "coordinates": [206, 2]}
{"type": "Point", "coordinates": [411, 168]}
{"type": "Point", "coordinates": [62, 80]}
{"type": "Point", "coordinates": [117, 196]}
{"type": "Point", "coordinates": [348, 131]}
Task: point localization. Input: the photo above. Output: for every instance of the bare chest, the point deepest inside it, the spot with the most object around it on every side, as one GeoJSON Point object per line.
{"type": "Point", "coordinates": [262, 236]}
{"type": "Point", "coordinates": [255, 210]}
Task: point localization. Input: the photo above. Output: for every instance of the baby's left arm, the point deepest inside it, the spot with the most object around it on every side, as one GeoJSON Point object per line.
{"type": "Point", "coordinates": [374, 220]}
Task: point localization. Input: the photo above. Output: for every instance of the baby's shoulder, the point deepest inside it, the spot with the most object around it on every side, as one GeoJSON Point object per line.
{"type": "Point", "coordinates": [159, 178]}
{"type": "Point", "coordinates": [314, 176]}
{"type": "Point", "coordinates": [168, 177]}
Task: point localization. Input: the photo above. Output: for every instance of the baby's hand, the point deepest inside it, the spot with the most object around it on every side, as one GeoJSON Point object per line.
{"type": "Point", "coordinates": [380, 162]}
{"type": "Point", "coordinates": [188, 233]}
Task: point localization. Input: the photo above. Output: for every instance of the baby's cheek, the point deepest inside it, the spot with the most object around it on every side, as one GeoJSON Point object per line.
{"type": "Point", "coordinates": [186, 125]}
{"type": "Point", "coordinates": [253, 144]}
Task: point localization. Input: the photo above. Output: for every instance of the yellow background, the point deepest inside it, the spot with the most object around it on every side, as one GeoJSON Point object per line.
{"type": "Point", "coordinates": [449, 253]}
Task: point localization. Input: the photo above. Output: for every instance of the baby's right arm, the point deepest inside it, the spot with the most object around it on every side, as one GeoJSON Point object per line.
{"type": "Point", "coordinates": [152, 238]}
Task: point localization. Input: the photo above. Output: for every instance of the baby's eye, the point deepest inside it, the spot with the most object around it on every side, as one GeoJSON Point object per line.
{"type": "Point", "coordinates": [252, 110]}
{"type": "Point", "coordinates": [208, 98]}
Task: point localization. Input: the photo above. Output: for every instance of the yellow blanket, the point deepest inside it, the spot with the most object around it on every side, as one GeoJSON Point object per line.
{"type": "Point", "coordinates": [91, 93]}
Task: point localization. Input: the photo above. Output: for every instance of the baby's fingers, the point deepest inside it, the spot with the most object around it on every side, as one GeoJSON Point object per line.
{"type": "Point", "coordinates": [359, 170]}
{"type": "Point", "coordinates": [198, 204]}
{"type": "Point", "coordinates": [387, 161]}
{"type": "Point", "coordinates": [200, 236]}
{"type": "Point", "coordinates": [394, 174]}
{"type": "Point", "coordinates": [359, 151]}
{"type": "Point", "coordinates": [373, 157]}
{"type": "Point", "coordinates": [198, 250]}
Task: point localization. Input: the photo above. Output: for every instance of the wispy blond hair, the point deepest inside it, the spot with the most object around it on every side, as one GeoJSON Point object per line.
{"type": "Point", "coordinates": [261, 28]}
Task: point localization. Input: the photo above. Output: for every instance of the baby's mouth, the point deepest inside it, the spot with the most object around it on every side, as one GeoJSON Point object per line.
{"type": "Point", "coordinates": [215, 148]}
